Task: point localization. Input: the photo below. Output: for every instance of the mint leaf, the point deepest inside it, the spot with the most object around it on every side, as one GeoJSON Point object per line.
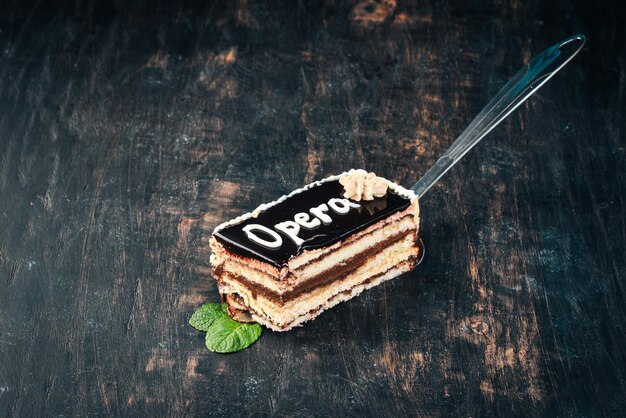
{"type": "Point", "coordinates": [226, 335]}
{"type": "Point", "coordinates": [206, 315]}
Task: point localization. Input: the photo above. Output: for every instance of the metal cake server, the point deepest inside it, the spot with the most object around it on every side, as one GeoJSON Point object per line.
{"type": "Point", "coordinates": [523, 85]}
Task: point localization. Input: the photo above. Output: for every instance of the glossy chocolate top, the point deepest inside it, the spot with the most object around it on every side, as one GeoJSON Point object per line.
{"type": "Point", "coordinates": [235, 239]}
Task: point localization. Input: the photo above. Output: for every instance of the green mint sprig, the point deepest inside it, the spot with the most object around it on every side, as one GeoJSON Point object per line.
{"type": "Point", "coordinates": [223, 334]}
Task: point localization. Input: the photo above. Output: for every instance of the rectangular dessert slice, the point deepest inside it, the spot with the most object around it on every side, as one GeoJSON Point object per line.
{"type": "Point", "coordinates": [289, 260]}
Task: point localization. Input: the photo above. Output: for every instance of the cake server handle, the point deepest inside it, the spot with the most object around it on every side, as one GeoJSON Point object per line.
{"type": "Point", "coordinates": [523, 85]}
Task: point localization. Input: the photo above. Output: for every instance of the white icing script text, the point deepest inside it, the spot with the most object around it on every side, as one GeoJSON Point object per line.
{"type": "Point", "coordinates": [272, 239]}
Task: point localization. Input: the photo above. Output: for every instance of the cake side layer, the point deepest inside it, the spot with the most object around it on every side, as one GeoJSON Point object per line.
{"type": "Point", "coordinates": [354, 247]}
{"type": "Point", "coordinates": [288, 311]}
{"type": "Point", "coordinates": [333, 300]}
{"type": "Point", "coordinates": [321, 279]}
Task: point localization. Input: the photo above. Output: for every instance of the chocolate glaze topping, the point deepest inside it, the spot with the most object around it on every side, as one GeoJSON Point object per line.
{"type": "Point", "coordinates": [235, 239]}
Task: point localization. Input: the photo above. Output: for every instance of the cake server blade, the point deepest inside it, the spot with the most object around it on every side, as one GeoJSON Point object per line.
{"type": "Point", "coordinates": [523, 85]}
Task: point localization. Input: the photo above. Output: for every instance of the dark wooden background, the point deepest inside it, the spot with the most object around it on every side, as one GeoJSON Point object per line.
{"type": "Point", "coordinates": [127, 132]}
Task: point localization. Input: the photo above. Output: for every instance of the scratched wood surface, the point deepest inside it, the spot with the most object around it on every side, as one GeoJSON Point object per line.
{"type": "Point", "coordinates": [128, 132]}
